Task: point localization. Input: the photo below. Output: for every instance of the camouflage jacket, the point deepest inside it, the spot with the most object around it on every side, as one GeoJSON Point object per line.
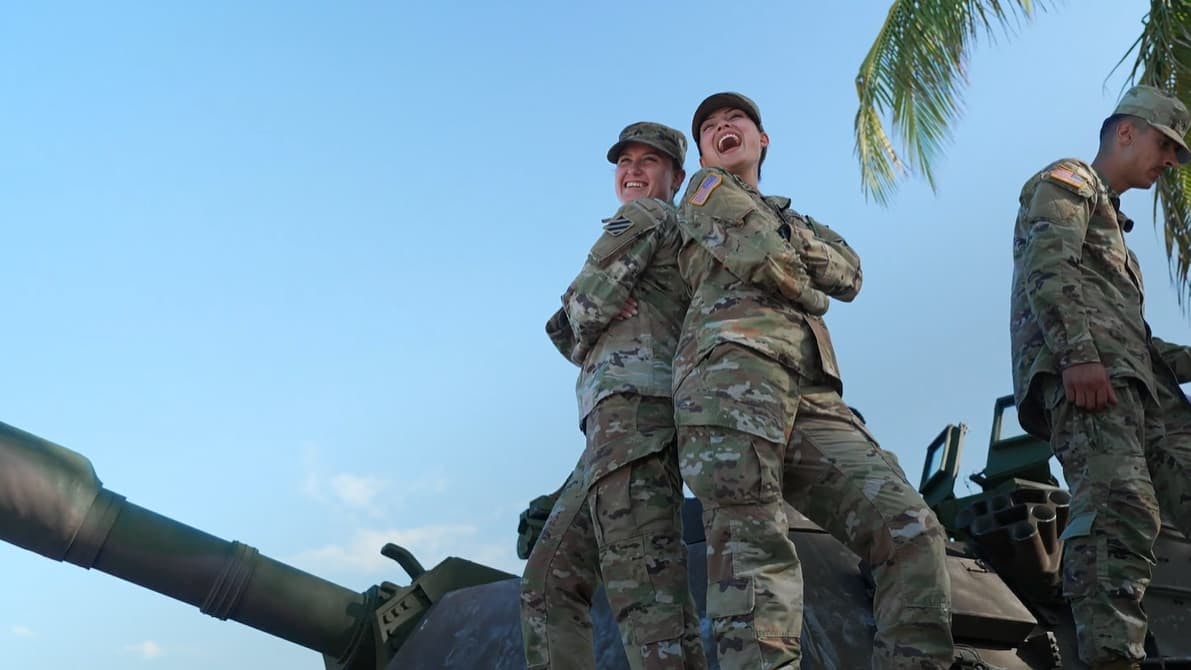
{"type": "Point", "coordinates": [759, 275]}
{"type": "Point", "coordinates": [1077, 288]}
{"type": "Point", "coordinates": [1172, 366]}
{"type": "Point", "coordinates": [636, 256]}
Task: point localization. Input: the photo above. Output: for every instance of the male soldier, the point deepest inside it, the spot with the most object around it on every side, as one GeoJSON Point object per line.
{"type": "Point", "coordinates": [759, 414]}
{"type": "Point", "coordinates": [620, 512]}
{"type": "Point", "coordinates": [1088, 377]}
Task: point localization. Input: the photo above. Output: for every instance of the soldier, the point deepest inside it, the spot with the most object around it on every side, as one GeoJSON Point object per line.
{"type": "Point", "coordinates": [1088, 377]}
{"type": "Point", "coordinates": [760, 416]}
{"type": "Point", "coordinates": [619, 516]}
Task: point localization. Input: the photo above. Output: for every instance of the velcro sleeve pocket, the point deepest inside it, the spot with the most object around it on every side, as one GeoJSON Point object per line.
{"type": "Point", "coordinates": [642, 219]}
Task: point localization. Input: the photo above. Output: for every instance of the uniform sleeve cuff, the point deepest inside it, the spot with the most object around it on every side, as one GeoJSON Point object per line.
{"type": "Point", "coordinates": [1078, 355]}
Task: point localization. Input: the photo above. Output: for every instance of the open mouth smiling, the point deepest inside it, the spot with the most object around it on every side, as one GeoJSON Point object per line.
{"type": "Point", "coordinates": [727, 142]}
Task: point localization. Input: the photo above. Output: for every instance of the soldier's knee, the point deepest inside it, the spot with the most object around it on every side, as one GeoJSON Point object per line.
{"type": "Point", "coordinates": [913, 534]}
{"type": "Point", "coordinates": [1127, 524]}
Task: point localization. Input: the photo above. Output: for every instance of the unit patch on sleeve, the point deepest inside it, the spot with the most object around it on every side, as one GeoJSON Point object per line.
{"type": "Point", "coordinates": [1067, 176]}
{"type": "Point", "coordinates": [709, 184]}
{"type": "Point", "coordinates": [617, 225]}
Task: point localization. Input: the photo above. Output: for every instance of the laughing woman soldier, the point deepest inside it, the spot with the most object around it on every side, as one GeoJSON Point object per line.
{"type": "Point", "coordinates": [760, 417]}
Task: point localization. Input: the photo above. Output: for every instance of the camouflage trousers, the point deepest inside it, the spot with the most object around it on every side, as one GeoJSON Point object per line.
{"type": "Point", "coordinates": [1121, 465]}
{"type": "Point", "coordinates": [833, 471]}
{"type": "Point", "coordinates": [626, 531]}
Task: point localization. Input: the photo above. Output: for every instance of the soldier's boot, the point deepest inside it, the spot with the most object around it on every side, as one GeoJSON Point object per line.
{"type": "Point", "coordinates": [1117, 664]}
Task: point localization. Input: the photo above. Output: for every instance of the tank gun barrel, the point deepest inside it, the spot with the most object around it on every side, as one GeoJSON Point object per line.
{"type": "Point", "coordinates": [52, 503]}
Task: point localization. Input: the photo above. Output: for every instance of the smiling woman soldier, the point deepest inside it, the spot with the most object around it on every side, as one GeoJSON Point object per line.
{"type": "Point", "coordinates": [619, 517]}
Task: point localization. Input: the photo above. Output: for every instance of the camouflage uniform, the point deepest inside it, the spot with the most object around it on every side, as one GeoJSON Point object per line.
{"type": "Point", "coordinates": [1170, 465]}
{"type": "Point", "coordinates": [619, 518]}
{"type": "Point", "coordinates": [760, 417]}
{"type": "Point", "coordinates": [1077, 298]}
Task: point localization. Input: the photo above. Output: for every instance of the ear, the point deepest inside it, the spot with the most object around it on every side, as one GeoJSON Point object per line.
{"type": "Point", "coordinates": [1125, 132]}
{"type": "Point", "coordinates": [764, 140]}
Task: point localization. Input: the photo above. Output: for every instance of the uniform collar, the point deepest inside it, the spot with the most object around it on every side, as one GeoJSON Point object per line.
{"type": "Point", "coordinates": [778, 201]}
{"type": "Point", "coordinates": [1115, 198]}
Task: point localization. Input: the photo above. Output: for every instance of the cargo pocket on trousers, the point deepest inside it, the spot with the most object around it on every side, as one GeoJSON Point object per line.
{"type": "Point", "coordinates": [731, 608]}
{"type": "Point", "coordinates": [662, 623]}
{"type": "Point", "coordinates": [730, 598]}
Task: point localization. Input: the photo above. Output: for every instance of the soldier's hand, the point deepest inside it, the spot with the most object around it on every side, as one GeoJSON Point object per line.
{"type": "Point", "coordinates": [533, 521]}
{"type": "Point", "coordinates": [814, 301]}
{"type": "Point", "coordinates": [628, 311]}
{"type": "Point", "coordinates": [1088, 386]}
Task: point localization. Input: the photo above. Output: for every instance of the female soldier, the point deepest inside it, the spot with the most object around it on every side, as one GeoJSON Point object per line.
{"type": "Point", "coordinates": [760, 416]}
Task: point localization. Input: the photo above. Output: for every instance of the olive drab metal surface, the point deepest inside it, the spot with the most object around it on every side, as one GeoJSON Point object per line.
{"type": "Point", "coordinates": [52, 503]}
{"type": "Point", "coordinates": [1004, 561]}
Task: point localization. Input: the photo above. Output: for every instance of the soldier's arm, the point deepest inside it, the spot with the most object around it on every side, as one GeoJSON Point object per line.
{"type": "Point", "coordinates": [1176, 356]}
{"type": "Point", "coordinates": [713, 218]}
{"type": "Point", "coordinates": [613, 268]}
{"type": "Point", "coordinates": [786, 270]}
{"type": "Point", "coordinates": [533, 519]}
{"type": "Point", "coordinates": [558, 329]}
{"type": "Point", "coordinates": [1049, 258]}
{"type": "Point", "coordinates": [831, 263]}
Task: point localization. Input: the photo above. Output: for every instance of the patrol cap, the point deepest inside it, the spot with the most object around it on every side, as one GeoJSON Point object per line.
{"type": "Point", "coordinates": [718, 101]}
{"type": "Point", "coordinates": [1167, 114]}
{"type": "Point", "coordinates": [663, 138]}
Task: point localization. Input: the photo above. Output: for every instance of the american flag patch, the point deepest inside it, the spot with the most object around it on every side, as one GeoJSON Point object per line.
{"type": "Point", "coordinates": [710, 182]}
{"type": "Point", "coordinates": [617, 225]}
{"type": "Point", "coordinates": [1068, 177]}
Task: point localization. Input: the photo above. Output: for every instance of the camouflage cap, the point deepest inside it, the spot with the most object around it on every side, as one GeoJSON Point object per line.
{"type": "Point", "coordinates": [1164, 112]}
{"type": "Point", "coordinates": [717, 101]}
{"type": "Point", "coordinates": [663, 138]}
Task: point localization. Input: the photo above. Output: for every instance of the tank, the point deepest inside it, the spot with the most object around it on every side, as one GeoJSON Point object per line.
{"type": "Point", "coordinates": [1003, 560]}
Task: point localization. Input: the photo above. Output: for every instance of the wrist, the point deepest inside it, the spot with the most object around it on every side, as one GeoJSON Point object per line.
{"type": "Point", "coordinates": [1080, 354]}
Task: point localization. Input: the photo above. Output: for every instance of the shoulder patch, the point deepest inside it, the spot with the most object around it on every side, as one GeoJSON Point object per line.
{"type": "Point", "coordinates": [1072, 177]}
{"type": "Point", "coordinates": [617, 225]}
{"type": "Point", "coordinates": [1066, 176]}
{"type": "Point", "coordinates": [701, 194]}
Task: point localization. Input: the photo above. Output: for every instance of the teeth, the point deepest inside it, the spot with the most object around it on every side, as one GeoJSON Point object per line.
{"type": "Point", "coordinates": [634, 184]}
{"type": "Point", "coordinates": [724, 140]}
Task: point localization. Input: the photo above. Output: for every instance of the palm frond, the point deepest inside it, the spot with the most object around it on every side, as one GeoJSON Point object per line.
{"type": "Point", "coordinates": [915, 71]}
{"type": "Point", "coordinates": [1171, 202]}
{"type": "Point", "coordinates": [1164, 60]}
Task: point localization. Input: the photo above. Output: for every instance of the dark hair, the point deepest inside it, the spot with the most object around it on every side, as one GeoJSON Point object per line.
{"type": "Point", "coordinates": [1110, 125]}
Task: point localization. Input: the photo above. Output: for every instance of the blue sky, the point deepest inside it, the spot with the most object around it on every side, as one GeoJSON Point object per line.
{"type": "Point", "coordinates": [281, 269]}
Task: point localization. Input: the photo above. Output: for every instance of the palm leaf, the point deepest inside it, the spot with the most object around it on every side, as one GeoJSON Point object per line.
{"type": "Point", "coordinates": [914, 71]}
{"type": "Point", "coordinates": [1164, 60]}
